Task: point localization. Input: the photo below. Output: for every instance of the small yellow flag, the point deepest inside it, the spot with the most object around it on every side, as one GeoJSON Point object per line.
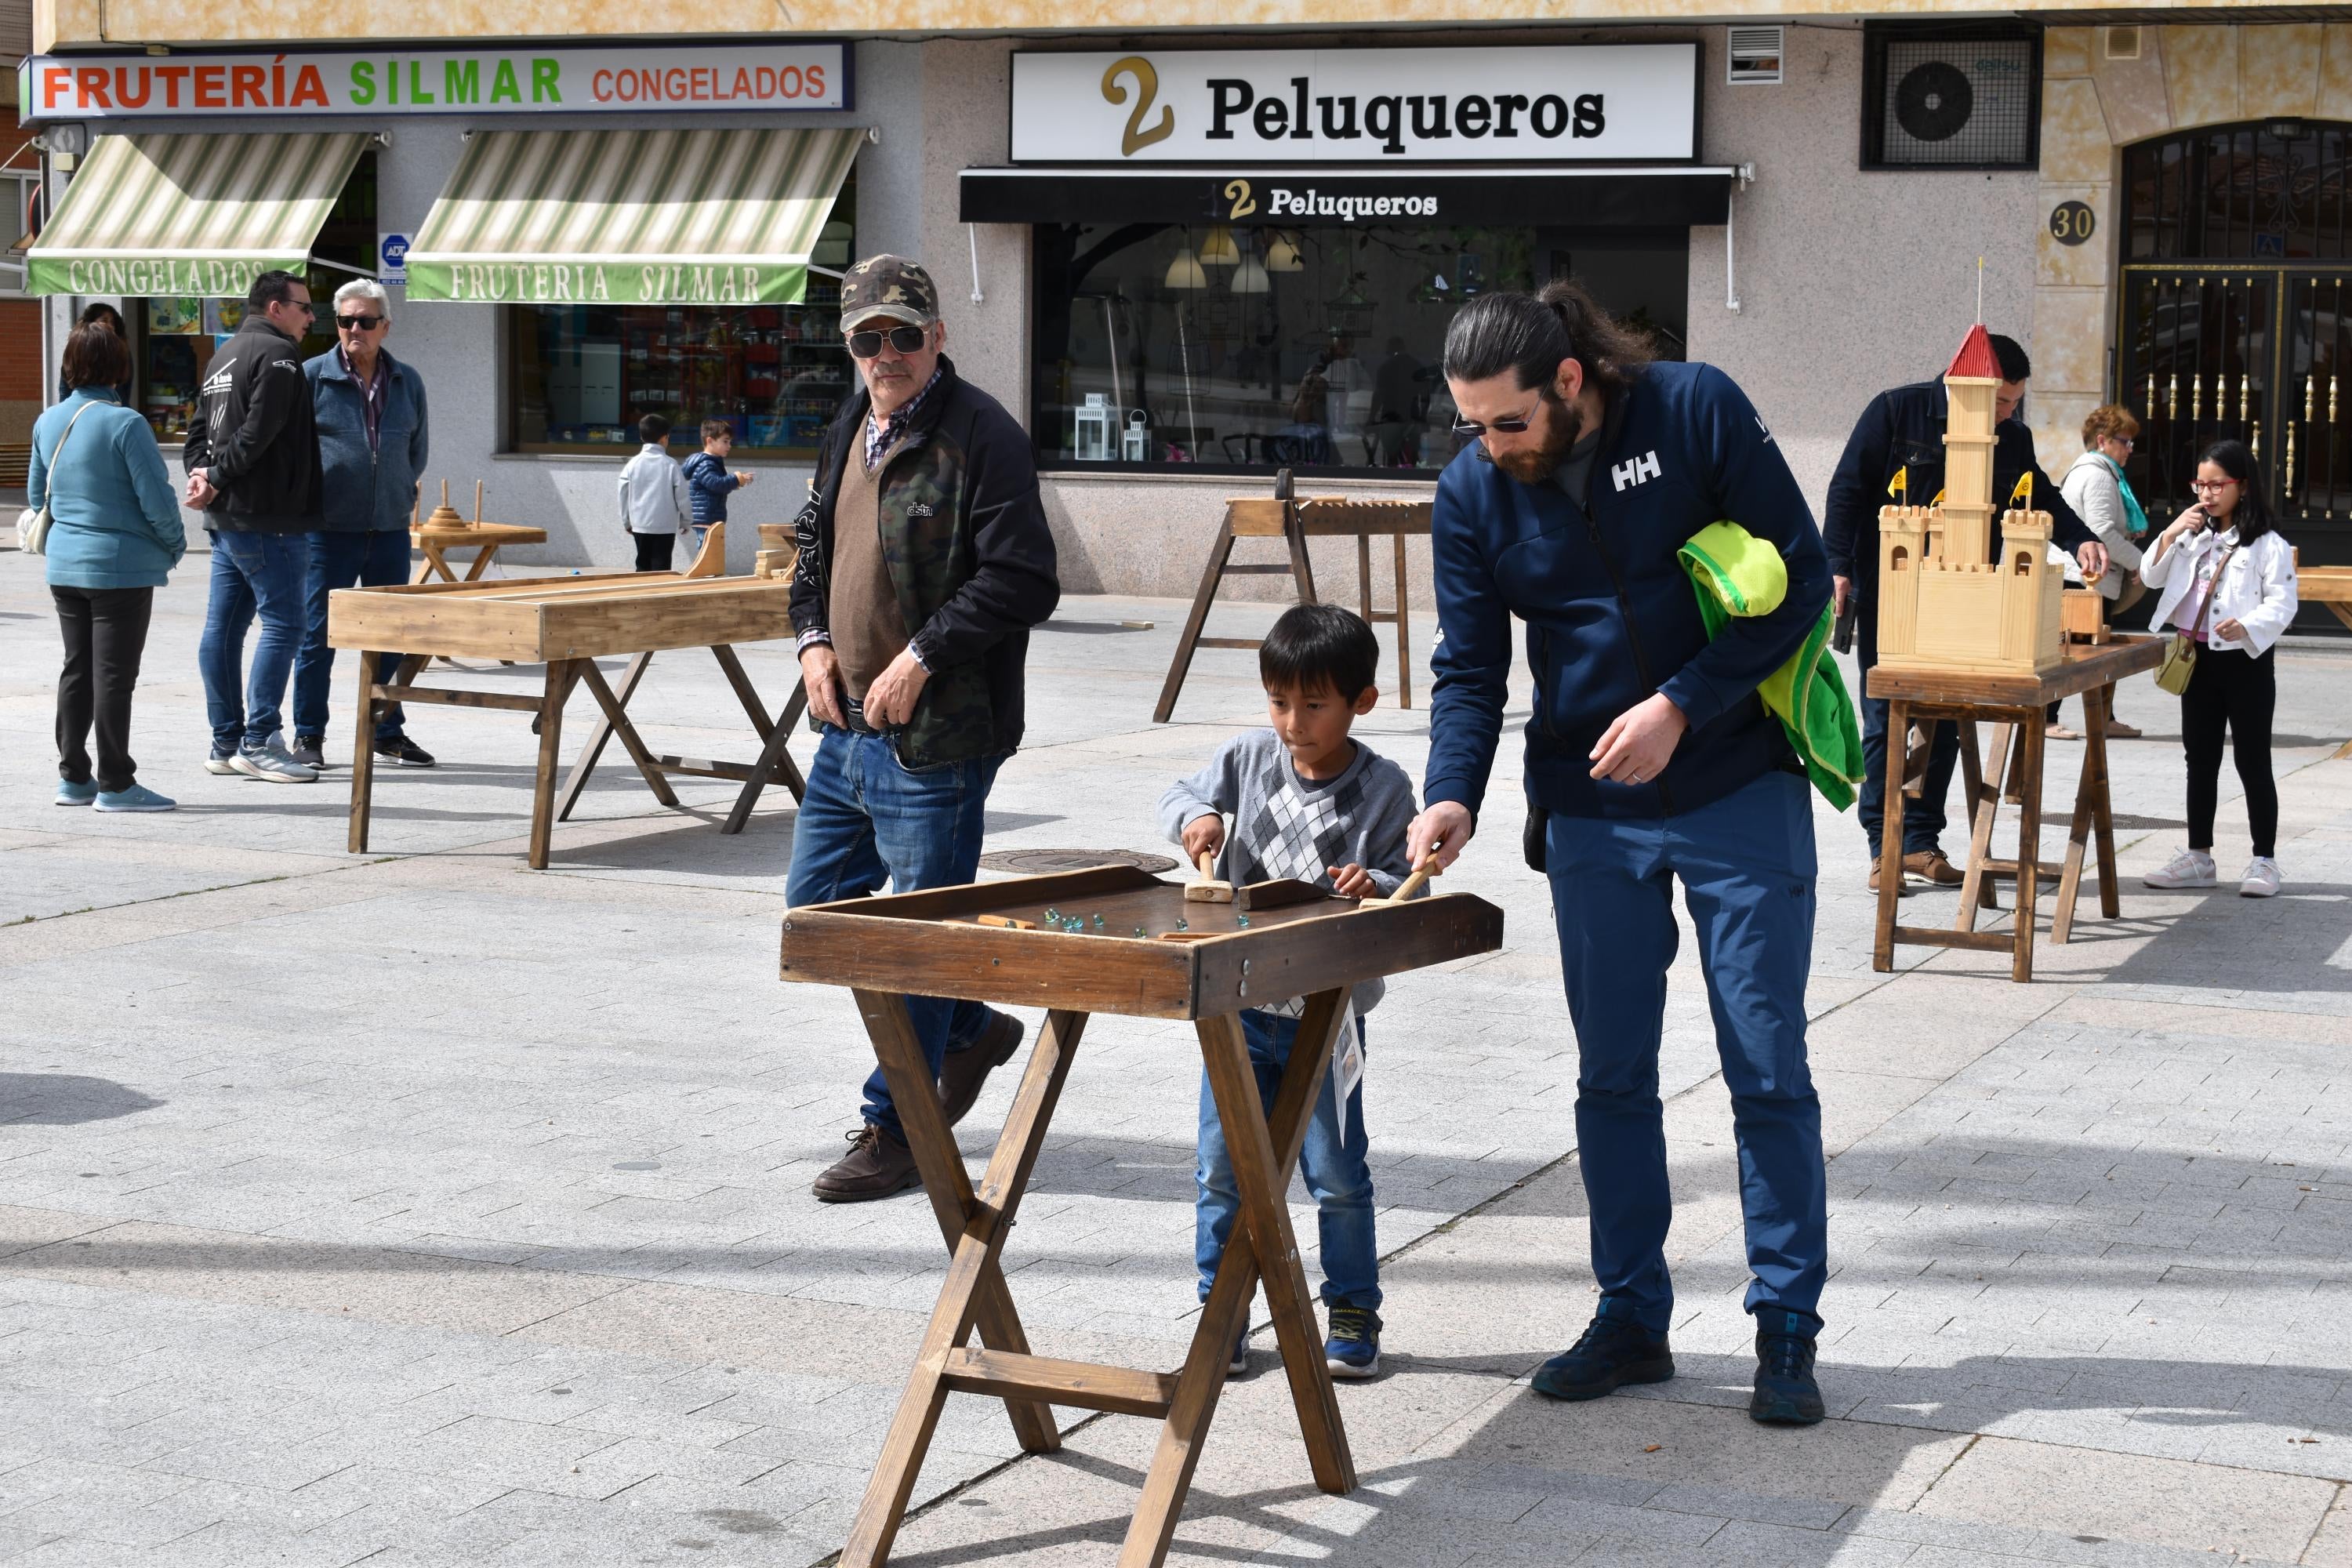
{"type": "Point", "coordinates": [1938, 501]}
{"type": "Point", "coordinates": [1899, 487]}
{"type": "Point", "coordinates": [2024, 490]}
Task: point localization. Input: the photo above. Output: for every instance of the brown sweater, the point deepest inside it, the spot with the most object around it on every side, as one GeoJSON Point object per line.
{"type": "Point", "coordinates": [868, 632]}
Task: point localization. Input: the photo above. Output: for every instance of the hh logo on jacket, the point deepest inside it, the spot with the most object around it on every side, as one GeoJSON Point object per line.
{"type": "Point", "coordinates": [1635, 470]}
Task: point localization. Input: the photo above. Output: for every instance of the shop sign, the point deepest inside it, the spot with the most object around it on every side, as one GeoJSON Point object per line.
{"type": "Point", "coordinates": [151, 277]}
{"type": "Point", "coordinates": [391, 259]}
{"type": "Point", "coordinates": [1601, 102]}
{"type": "Point", "coordinates": [566, 280]}
{"type": "Point", "coordinates": [397, 83]}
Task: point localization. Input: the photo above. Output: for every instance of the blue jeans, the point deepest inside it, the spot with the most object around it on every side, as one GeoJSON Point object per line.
{"type": "Point", "coordinates": [337, 561]}
{"type": "Point", "coordinates": [1923, 819]}
{"type": "Point", "coordinates": [253, 573]}
{"type": "Point", "coordinates": [1336, 1175]}
{"type": "Point", "coordinates": [866, 819]}
{"type": "Point", "coordinates": [1746, 864]}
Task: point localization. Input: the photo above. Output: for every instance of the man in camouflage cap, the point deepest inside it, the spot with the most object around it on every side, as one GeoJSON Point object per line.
{"type": "Point", "coordinates": [924, 561]}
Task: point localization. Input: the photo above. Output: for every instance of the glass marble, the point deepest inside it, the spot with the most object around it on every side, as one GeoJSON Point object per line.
{"type": "Point", "coordinates": [1240, 920]}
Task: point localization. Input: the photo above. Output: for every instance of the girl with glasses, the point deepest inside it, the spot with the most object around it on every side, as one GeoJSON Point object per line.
{"type": "Point", "coordinates": [2226, 580]}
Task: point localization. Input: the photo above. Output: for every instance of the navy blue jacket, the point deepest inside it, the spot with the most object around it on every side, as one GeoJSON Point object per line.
{"type": "Point", "coordinates": [707, 485]}
{"type": "Point", "coordinates": [1903, 429]}
{"type": "Point", "coordinates": [1612, 617]}
{"type": "Point", "coordinates": [367, 490]}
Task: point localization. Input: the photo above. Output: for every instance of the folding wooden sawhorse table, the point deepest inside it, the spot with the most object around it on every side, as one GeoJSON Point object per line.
{"type": "Point", "coordinates": [1300, 942]}
{"type": "Point", "coordinates": [2016, 706]}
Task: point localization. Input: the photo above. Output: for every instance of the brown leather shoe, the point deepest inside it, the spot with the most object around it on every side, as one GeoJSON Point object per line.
{"type": "Point", "coordinates": [1931, 865]}
{"type": "Point", "coordinates": [877, 1166]}
{"type": "Point", "coordinates": [2123, 731]}
{"type": "Point", "coordinates": [963, 1072]}
{"type": "Point", "coordinates": [1901, 888]}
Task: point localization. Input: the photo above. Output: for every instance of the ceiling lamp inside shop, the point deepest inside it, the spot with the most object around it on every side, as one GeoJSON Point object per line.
{"type": "Point", "coordinates": [1283, 256]}
{"type": "Point", "coordinates": [1184, 272]}
{"type": "Point", "coordinates": [1251, 278]}
{"type": "Point", "coordinates": [1217, 249]}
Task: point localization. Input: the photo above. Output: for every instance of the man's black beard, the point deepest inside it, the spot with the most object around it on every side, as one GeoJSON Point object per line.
{"type": "Point", "coordinates": [1533, 465]}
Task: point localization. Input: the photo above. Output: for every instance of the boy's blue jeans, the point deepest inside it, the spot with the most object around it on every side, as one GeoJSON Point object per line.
{"type": "Point", "coordinates": [1747, 867]}
{"type": "Point", "coordinates": [253, 573]}
{"type": "Point", "coordinates": [867, 820]}
{"type": "Point", "coordinates": [338, 559]}
{"type": "Point", "coordinates": [1336, 1175]}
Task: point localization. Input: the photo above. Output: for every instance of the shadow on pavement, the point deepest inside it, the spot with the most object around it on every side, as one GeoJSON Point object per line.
{"type": "Point", "coordinates": [66, 1100]}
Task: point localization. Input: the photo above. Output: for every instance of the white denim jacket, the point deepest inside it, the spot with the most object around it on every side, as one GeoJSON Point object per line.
{"type": "Point", "coordinates": [2256, 590]}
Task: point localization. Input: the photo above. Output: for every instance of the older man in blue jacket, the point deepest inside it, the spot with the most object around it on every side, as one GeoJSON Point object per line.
{"type": "Point", "coordinates": [1650, 758]}
{"type": "Point", "coordinates": [371, 446]}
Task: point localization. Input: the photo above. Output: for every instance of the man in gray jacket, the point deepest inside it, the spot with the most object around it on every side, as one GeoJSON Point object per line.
{"type": "Point", "coordinates": [370, 410]}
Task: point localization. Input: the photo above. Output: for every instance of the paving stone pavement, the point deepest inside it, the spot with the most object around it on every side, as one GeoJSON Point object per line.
{"type": "Point", "coordinates": [436, 1211]}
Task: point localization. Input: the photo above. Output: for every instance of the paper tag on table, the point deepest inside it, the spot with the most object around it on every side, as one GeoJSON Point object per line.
{"type": "Point", "coordinates": [1347, 1065]}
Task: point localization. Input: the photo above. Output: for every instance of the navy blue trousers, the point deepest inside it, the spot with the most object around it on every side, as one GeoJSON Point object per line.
{"type": "Point", "coordinates": [1746, 864]}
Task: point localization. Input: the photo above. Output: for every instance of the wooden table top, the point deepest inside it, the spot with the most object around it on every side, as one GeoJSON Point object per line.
{"type": "Point", "coordinates": [478, 534]}
{"type": "Point", "coordinates": [1299, 941]}
{"type": "Point", "coordinates": [529, 620]}
{"type": "Point", "coordinates": [2324, 584]}
{"type": "Point", "coordinates": [2086, 665]}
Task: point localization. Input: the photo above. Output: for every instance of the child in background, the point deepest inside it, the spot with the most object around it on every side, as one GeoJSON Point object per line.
{"type": "Point", "coordinates": [1308, 803]}
{"type": "Point", "coordinates": [706, 479]}
{"type": "Point", "coordinates": [654, 505]}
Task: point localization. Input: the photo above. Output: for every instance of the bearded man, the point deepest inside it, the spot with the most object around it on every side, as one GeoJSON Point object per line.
{"type": "Point", "coordinates": [1650, 760]}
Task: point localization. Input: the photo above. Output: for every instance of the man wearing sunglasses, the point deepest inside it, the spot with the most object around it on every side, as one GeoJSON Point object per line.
{"type": "Point", "coordinates": [924, 561]}
{"type": "Point", "coordinates": [372, 446]}
{"type": "Point", "coordinates": [252, 461]}
{"type": "Point", "coordinates": [1650, 760]}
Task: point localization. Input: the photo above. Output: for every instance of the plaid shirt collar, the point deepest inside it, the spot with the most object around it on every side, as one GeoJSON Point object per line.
{"type": "Point", "coordinates": [881, 436]}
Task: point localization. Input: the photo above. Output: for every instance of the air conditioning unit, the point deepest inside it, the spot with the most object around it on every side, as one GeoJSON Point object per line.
{"type": "Point", "coordinates": [1951, 96]}
{"type": "Point", "coordinates": [1753, 57]}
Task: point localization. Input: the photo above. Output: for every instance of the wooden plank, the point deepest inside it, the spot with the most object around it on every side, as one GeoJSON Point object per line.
{"type": "Point", "coordinates": [617, 718]}
{"type": "Point", "coordinates": [1081, 1385]}
{"type": "Point", "coordinates": [1322, 516]}
{"type": "Point", "coordinates": [710, 561]}
{"type": "Point", "coordinates": [2029, 853]}
{"type": "Point", "coordinates": [1984, 808]}
{"type": "Point", "coordinates": [2103, 822]}
{"type": "Point", "coordinates": [453, 697]}
{"type": "Point", "coordinates": [735, 610]}
{"type": "Point", "coordinates": [551, 736]}
{"type": "Point", "coordinates": [1403, 630]}
{"type": "Point", "coordinates": [1221, 549]}
{"type": "Point", "coordinates": [577, 779]}
{"type": "Point", "coordinates": [363, 754]}
{"type": "Point", "coordinates": [2084, 667]}
{"type": "Point", "coordinates": [374, 618]}
{"type": "Point", "coordinates": [1260, 966]}
{"type": "Point", "coordinates": [1246, 645]}
{"type": "Point", "coordinates": [1256, 517]}
{"type": "Point", "coordinates": [1890, 837]}
{"type": "Point", "coordinates": [2078, 830]}
{"type": "Point", "coordinates": [773, 760]}
{"type": "Point", "coordinates": [1944, 936]}
{"type": "Point", "coordinates": [1018, 968]}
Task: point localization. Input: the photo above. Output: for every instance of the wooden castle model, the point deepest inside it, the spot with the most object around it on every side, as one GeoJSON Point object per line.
{"type": "Point", "coordinates": [1946, 600]}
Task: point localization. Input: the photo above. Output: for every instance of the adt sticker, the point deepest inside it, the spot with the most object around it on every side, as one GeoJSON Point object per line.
{"type": "Point", "coordinates": [391, 259]}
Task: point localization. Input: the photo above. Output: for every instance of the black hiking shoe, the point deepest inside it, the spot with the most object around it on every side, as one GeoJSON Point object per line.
{"type": "Point", "coordinates": [1612, 1353]}
{"type": "Point", "coordinates": [1786, 1394]}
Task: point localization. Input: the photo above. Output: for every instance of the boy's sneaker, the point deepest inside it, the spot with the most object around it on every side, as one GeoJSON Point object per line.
{"type": "Point", "coordinates": [72, 793]}
{"type": "Point", "coordinates": [2261, 880]}
{"type": "Point", "coordinates": [221, 762]}
{"type": "Point", "coordinates": [272, 767]}
{"type": "Point", "coordinates": [310, 750]}
{"type": "Point", "coordinates": [138, 797]}
{"type": "Point", "coordinates": [1611, 1353]}
{"type": "Point", "coordinates": [2189, 869]}
{"type": "Point", "coordinates": [402, 752]}
{"type": "Point", "coordinates": [1354, 1348]}
{"type": "Point", "coordinates": [1786, 1394]}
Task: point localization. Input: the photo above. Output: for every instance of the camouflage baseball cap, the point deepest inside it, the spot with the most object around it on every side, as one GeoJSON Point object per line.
{"type": "Point", "coordinates": [888, 286]}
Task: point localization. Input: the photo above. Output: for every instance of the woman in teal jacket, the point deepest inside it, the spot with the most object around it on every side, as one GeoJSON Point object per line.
{"type": "Point", "coordinates": [114, 536]}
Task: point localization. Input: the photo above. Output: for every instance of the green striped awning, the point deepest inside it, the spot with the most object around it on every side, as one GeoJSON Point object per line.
{"type": "Point", "coordinates": [190, 214]}
{"type": "Point", "coordinates": [641, 217]}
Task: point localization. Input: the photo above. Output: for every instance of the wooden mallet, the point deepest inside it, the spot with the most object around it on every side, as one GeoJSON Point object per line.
{"type": "Point", "coordinates": [1411, 885]}
{"type": "Point", "coordinates": [1205, 889]}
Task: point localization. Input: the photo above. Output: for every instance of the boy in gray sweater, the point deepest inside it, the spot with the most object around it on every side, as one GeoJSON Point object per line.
{"type": "Point", "coordinates": [1307, 802]}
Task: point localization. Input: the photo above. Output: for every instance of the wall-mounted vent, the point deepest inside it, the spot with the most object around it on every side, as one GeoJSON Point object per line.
{"type": "Point", "coordinates": [2120, 43]}
{"type": "Point", "coordinates": [1754, 58]}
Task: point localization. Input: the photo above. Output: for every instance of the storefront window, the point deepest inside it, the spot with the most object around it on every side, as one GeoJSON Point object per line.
{"type": "Point", "coordinates": [581, 376]}
{"type": "Point", "coordinates": [1253, 348]}
{"type": "Point", "coordinates": [172, 339]}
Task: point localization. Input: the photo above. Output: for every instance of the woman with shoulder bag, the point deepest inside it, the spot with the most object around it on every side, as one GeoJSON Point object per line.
{"type": "Point", "coordinates": [2095, 488]}
{"type": "Point", "coordinates": [114, 536]}
{"type": "Point", "coordinates": [2226, 582]}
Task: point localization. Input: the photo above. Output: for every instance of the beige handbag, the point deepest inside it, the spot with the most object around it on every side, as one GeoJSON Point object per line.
{"type": "Point", "coordinates": [2181, 653]}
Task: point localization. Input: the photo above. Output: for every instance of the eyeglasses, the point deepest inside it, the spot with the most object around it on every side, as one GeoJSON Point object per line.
{"type": "Point", "coordinates": [304, 306]}
{"type": "Point", "coordinates": [1470, 429]}
{"type": "Point", "coordinates": [359, 323]}
{"type": "Point", "coordinates": [2210, 487]}
{"type": "Point", "coordinates": [906, 340]}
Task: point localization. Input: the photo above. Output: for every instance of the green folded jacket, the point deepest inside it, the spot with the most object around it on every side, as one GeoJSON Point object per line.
{"type": "Point", "coordinates": [1736, 573]}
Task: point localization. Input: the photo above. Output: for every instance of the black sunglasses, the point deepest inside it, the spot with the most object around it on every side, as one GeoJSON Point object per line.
{"type": "Point", "coordinates": [359, 323]}
{"type": "Point", "coordinates": [1470, 429]}
{"type": "Point", "coordinates": [906, 340]}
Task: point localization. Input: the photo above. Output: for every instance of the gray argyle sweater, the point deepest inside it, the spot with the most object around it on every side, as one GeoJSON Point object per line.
{"type": "Point", "coordinates": [1285, 825]}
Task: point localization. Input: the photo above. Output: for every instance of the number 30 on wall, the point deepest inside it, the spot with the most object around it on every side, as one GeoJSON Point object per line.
{"type": "Point", "coordinates": [1135, 138]}
{"type": "Point", "coordinates": [2071, 222]}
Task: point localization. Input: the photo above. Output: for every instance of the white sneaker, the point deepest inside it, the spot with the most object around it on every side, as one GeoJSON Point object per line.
{"type": "Point", "coordinates": [2189, 869]}
{"type": "Point", "coordinates": [216, 764]}
{"type": "Point", "coordinates": [2261, 881]}
{"type": "Point", "coordinates": [277, 767]}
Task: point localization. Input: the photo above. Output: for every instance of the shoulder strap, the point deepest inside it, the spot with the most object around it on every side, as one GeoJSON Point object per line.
{"type": "Point", "coordinates": [59, 450]}
{"type": "Point", "coordinates": [2212, 589]}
